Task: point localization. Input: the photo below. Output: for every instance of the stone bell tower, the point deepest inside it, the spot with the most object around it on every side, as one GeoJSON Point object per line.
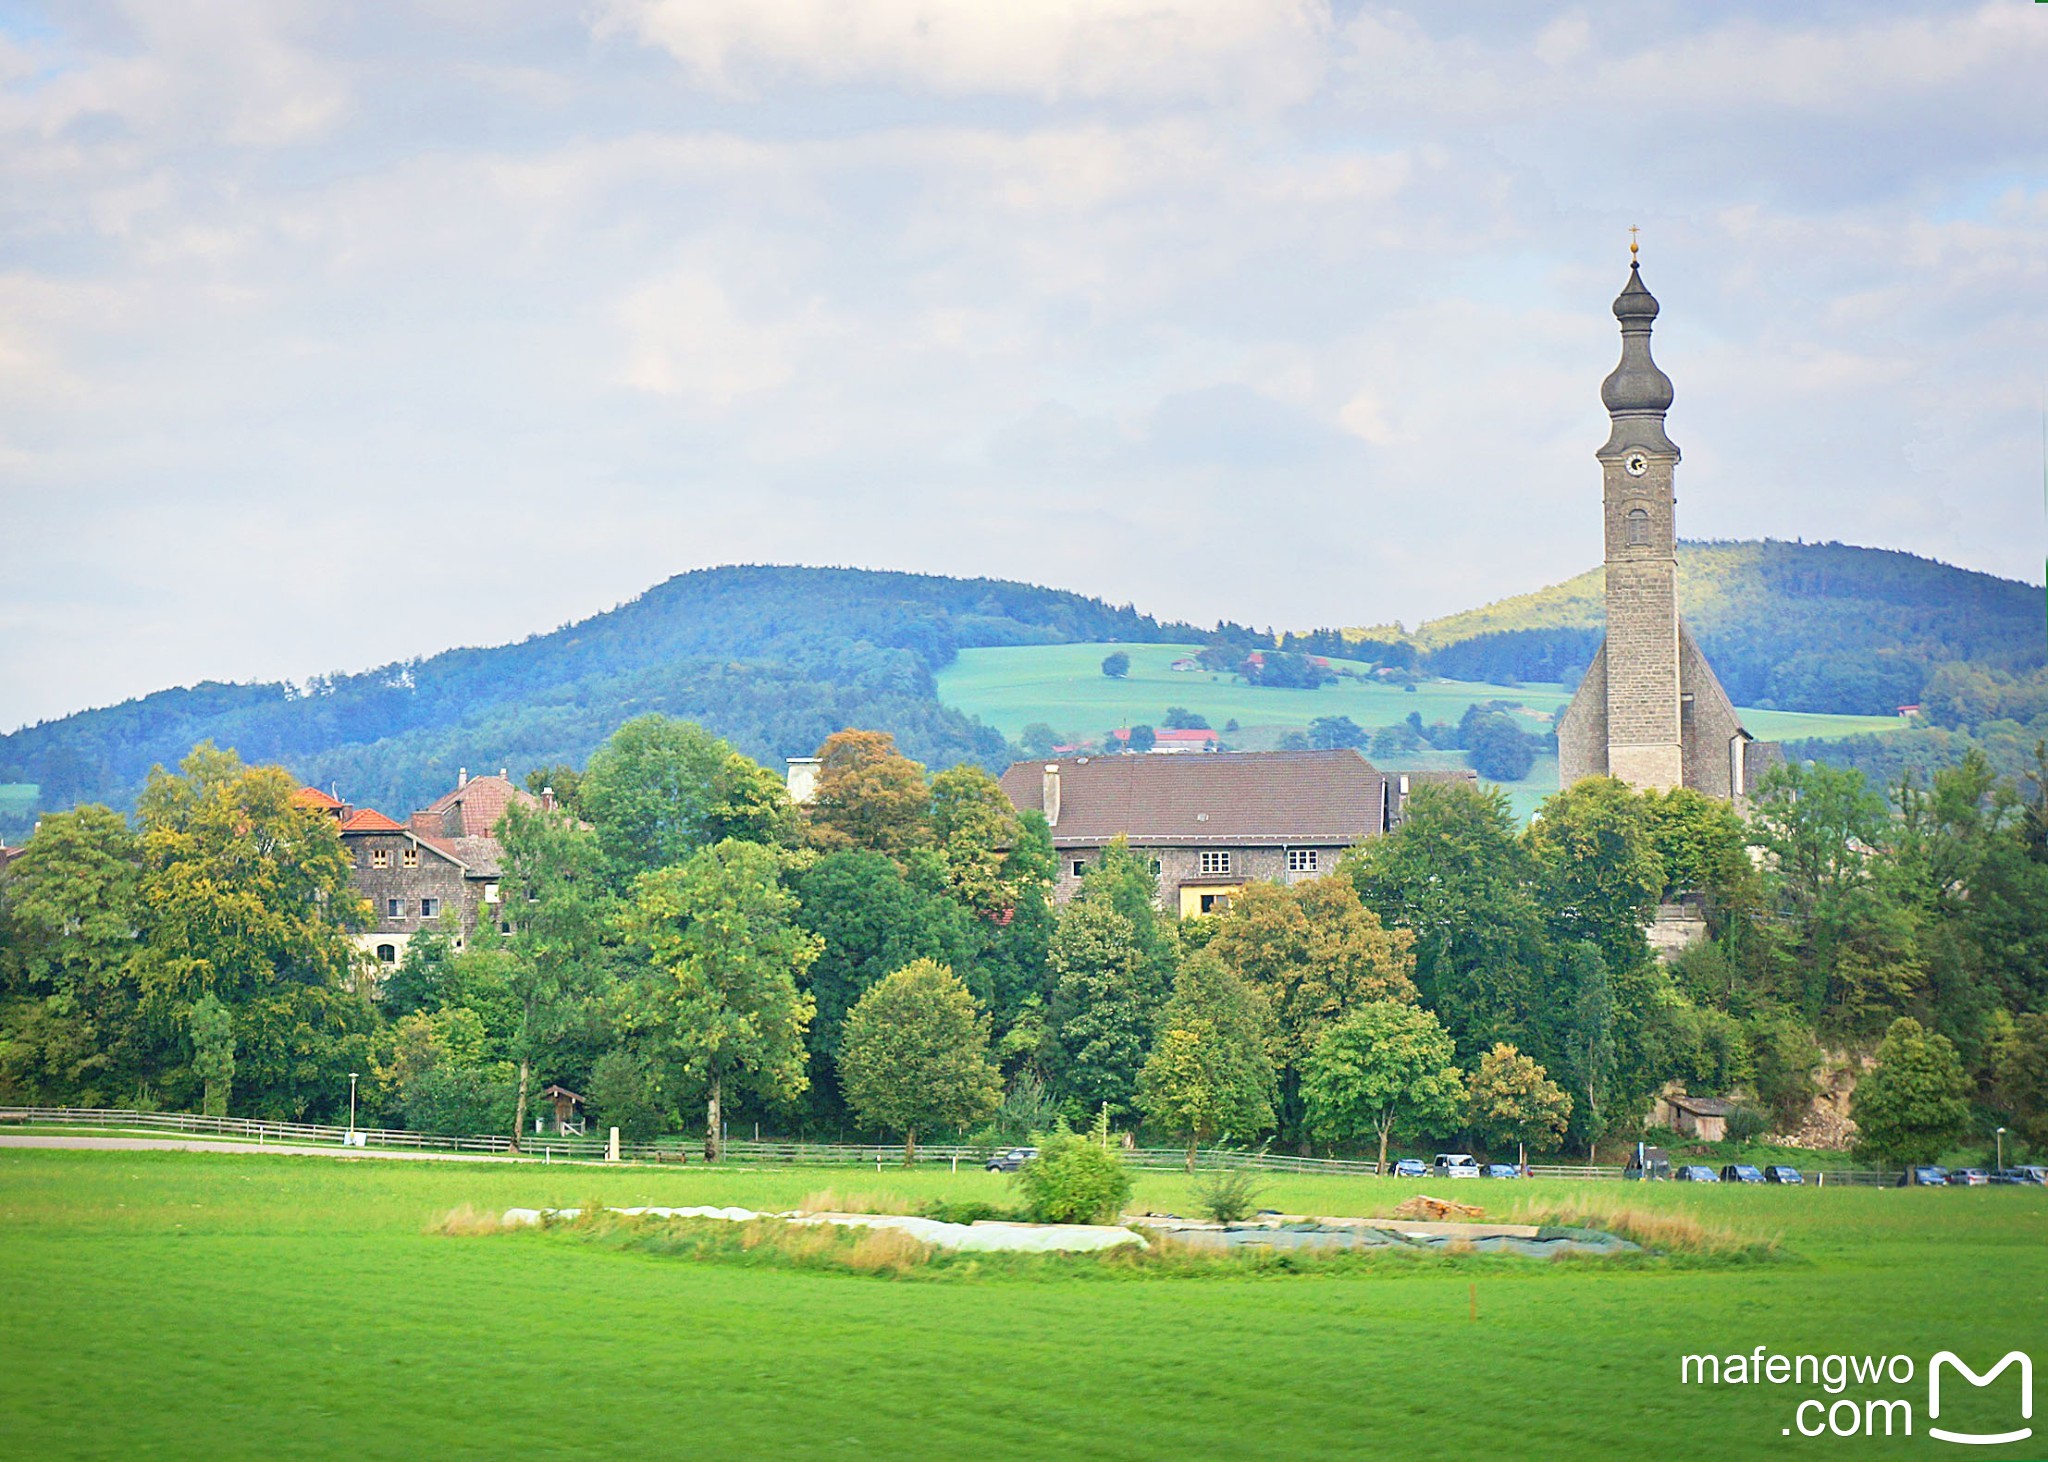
{"type": "Point", "coordinates": [1649, 710]}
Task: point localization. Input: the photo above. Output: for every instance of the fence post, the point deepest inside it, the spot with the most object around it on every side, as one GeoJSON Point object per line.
{"type": "Point", "coordinates": [611, 1150]}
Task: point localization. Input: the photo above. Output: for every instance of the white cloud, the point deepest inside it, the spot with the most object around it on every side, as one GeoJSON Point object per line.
{"type": "Point", "coordinates": [1261, 52]}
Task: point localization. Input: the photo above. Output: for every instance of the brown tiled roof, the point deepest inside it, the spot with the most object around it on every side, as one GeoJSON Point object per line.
{"type": "Point", "coordinates": [1326, 797]}
{"type": "Point", "coordinates": [314, 797]}
{"type": "Point", "coordinates": [479, 857]}
{"type": "Point", "coordinates": [471, 810]}
{"type": "Point", "coordinates": [370, 820]}
{"type": "Point", "coordinates": [1702, 1106]}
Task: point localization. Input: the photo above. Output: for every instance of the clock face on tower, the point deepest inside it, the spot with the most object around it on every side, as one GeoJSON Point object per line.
{"type": "Point", "coordinates": [1635, 464]}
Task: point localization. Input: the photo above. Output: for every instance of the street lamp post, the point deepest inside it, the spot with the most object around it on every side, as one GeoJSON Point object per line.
{"type": "Point", "coordinates": [352, 1109]}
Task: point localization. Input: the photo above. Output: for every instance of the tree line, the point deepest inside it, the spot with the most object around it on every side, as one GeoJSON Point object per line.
{"type": "Point", "coordinates": [686, 946]}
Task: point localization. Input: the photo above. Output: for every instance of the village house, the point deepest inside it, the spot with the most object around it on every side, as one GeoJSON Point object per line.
{"type": "Point", "coordinates": [443, 860]}
{"type": "Point", "coordinates": [1210, 824]}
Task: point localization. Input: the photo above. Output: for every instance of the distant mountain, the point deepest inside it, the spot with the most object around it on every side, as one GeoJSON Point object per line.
{"type": "Point", "coordinates": [776, 659]}
{"type": "Point", "coordinates": [1795, 626]}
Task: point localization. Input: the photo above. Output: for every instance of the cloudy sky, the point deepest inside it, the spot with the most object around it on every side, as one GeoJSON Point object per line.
{"type": "Point", "coordinates": [332, 334]}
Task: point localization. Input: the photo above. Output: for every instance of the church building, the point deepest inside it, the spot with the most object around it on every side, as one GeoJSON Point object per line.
{"type": "Point", "coordinates": [1649, 710]}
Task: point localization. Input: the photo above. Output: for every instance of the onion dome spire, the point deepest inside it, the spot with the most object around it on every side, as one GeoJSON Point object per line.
{"type": "Point", "coordinates": [1636, 393]}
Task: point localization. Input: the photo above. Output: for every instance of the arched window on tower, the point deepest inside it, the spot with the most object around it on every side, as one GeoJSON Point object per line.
{"type": "Point", "coordinates": [1638, 527]}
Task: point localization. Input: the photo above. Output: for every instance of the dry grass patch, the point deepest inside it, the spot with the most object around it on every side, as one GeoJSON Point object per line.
{"type": "Point", "coordinates": [831, 1200]}
{"type": "Point", "coordinates": [466, 1220]}
{"type": "Point", "coordinates": [1665, 1231]}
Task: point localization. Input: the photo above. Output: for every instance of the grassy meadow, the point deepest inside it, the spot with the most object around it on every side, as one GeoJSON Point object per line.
{"type": "Point", "coordinates": [1063, 686]}
{"type": "Point", "coordinates": [165, 1303]}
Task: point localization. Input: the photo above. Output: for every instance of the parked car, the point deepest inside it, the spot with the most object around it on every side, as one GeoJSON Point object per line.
{"type": "Point", "coordinates": [1926, 1175]}
{"type": "Point", "coordinates": [1455, 1165]}
{"type": "Point", "coordinates": [1741, 1172]}
{"type": "Point", "coordinates": [1009, 1162]}
{"type": "Point", "coordinates": [1779, 1173]}
{"type": "Point", "coordinates": [1410, 1167]}
{"type": "Point", "coordinates": [1500, 1170]}
{"type": "Point", "coordinates": [1968, 1178]}
{"type": "Point", "coordinates": [2027, 1173]}
{"type": "Point", "coordinates": [1694, 1172]}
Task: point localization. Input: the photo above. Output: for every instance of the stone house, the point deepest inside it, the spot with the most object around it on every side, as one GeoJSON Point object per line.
{"type": "Point", "coordinates": [1704, 1118]}
{"type": "Point", "coordinates": [443, 860]}
{"type": "Point", "coordinates": [1209, 824]}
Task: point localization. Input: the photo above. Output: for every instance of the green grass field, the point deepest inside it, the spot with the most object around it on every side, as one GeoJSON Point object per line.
{"type": "Point", "coordinates": [168, 1304]}
{"type": "Point", "coordinates": [1063, 686]}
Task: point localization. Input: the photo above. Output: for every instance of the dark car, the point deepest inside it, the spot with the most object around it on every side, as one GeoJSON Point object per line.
{"type": "Point", "coordinates": [1779, 1173]}
{"type": "Point", "coordinates": [1500, 1170]}
{"type": "Point", "coordinates": [1694, 1172]}
{"type": "Point", "coordinates": [1968, 1178]}
{"type": "Point", "coordinates": [1409, 1167]}
{"type": "Point", "coordinates": [1741, 1172]}
{"type": "Point", "coordinates": [1009, 1162]}
{"type": "Point", "coordinates": [1924, 1176]}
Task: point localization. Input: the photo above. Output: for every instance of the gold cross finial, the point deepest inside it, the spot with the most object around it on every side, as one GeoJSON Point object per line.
{"type": "Point", "coordinates": [1632, 241]}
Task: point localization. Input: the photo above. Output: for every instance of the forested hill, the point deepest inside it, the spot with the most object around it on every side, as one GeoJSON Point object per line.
{"type": "Point", "coordinates": [1797, 626]}
{"type": "Point", "coordinates": [774, 659]}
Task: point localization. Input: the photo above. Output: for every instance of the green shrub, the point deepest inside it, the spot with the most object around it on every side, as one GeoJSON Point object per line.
{"type": "Point", "coordinates": [1228, 1195]}
{"type": "Point", "coordinates": [1746, 1124]}
{"type": "Point", "coordinates": [966, 1210]}
{"type": "Point", "coordinates": [460, 1100]}
{"type": "Point", "coordinates": [1074, 1179]}
{"type": "Point", "coordinates": [625, 1093]}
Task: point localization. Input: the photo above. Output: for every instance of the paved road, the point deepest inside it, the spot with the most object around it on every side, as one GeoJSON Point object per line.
{"type": "Point", "coordinates": [184, 1144]}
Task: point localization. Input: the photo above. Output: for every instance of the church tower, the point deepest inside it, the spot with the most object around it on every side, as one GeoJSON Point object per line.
{"type": "Point", "coordinates": [1649, 710]}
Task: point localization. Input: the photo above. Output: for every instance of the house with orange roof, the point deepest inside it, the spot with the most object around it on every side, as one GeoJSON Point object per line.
{"type": "Point", "coordinates": [443, 861]}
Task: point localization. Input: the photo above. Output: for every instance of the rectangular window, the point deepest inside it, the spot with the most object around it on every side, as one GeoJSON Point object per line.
{"type": "Point", "coordinates": [1080, 866]}
{"type": "Point", "coordinates": [1156, 867]}
{"type": "Point", "coordinates": [410, 858]}
{"type": "Point", "coordinates": [1301, 860]}
{"type": "Point", "coordinates": [1214, 864]}
{"type": "Point", "coordinates": [1215, 903]}
{"type": "Point", "coordinates": [381, 858]}
{"type": "Point", "coordinates": [429, 908]}
{"type": "Point", "coordinates": [394, 908]}
{"type": "Point", "coordinates": [490, 893]}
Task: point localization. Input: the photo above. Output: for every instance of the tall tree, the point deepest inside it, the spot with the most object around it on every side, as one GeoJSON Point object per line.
{"type": "Point", "coordinates": [725, 956]}
{"type": "Point", "coordinates": [1587, 1037]}
{"type": "Point", "coordinates": [1599, 868]}
{"type": "Point", "coordinates": [560, 909]}
{"type": "Point", "coordinates": [70, 909]}
{"type": "Point", "coordinates": [1915, 1104]}
{"type": "Point", "coordinates": [1382, 1066]}
{"type": "Point", "coordinates": [1209, 1071]}
{"type": "Point", "coordinates": [1104, 1005]}
{"type": "Point", "coordinates": [1457, 877]}
{"type": "Point", "coordinates": [1513, 1099]}
{"type": "Point", "coordinates": [974, 827]}
{"type": "Point", "coordinates": [869, 795]}
{"type": "Point", "coordinates": [246, 896]}
{"type": "Point", "coordinates": [212, 1030]}
{"type": "Point", "coordinates": [915, 1055]}
{"type": "Point", "coordinates": [652, 792]}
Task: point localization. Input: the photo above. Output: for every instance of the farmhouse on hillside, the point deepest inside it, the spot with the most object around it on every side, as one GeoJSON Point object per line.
{"type": "Point", "coordinates": [1211, 824]}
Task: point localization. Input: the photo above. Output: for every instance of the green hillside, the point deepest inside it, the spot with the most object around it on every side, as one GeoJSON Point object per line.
{"type": "Point", "coordinates": [1799, 626]}
{"type": "Point", "coordinates": [1063, 686]}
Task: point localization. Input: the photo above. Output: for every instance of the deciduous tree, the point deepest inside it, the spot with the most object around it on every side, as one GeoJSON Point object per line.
{"type": "Point", "coordinates": [651, 791]}
{"type": "Point", "coordinates": [1209, 1071]}
{"type": "Point", "coordinates": [915, 1055]}
{"type": "Point", "coordinates": [1383, 1065]}
{"type": "Point", "coordinates": [869, 795]}
{"type": "Point", "coordinates": [725, 957]}
{"type": "Point", "coordinates": [1915, 1104]}
{"type": "Point", "coordinates": [1514, 1100]}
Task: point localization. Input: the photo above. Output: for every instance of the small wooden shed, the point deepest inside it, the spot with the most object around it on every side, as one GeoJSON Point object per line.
{"type": "Point", "coordinates": [567, 1104]}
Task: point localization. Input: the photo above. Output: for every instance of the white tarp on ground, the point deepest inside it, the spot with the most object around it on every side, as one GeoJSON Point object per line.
{"type": "Point", "coordinates": [986, 1237]}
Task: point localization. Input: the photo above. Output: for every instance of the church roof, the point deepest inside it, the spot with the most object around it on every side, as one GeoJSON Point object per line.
{"type": "Point", "coordinates": [1636, 384]}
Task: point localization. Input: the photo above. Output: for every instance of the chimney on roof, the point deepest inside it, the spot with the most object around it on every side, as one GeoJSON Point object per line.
{"type": "Point", "coordinates": [803, 779]}
{"type": "Point", "coordinates": [1052, 794]}
{"type": "Point", "coordinates": [547, 799]}
{"type": "Point", "coordinates": [461, 778]}
{"type": "Point", "coordinates": [502, 775]}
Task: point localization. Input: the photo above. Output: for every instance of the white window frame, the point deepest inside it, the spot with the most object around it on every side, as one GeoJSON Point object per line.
{"type": "Point", "coordinates": [394, 908]}
{"type": "Point", "coordinates": [1079, 866]}
{"type": "Point", "coordinates": [1215, 863]}
{"type": "Point", "coordinates": [380, 857]}
{"type": "Point", "coordinates": [429, 906]}
{"type": "Point", "coordinates": [1304, 860]}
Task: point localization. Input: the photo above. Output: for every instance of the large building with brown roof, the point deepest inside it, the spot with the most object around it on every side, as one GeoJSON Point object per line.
{"type": "Point", "coordinates": [1209, 824]}
{"type": "Point", "coordinates": [444, 859]}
